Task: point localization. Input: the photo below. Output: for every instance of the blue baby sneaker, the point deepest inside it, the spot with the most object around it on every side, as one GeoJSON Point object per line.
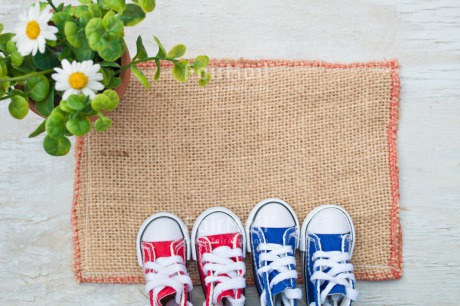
{"type": "Point", "coordinates": [327, 240]}
{"type": "Point", "coordinates": [272, 231]}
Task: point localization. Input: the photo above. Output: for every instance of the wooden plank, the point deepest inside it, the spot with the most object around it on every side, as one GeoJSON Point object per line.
{"type": "Point", "coordinates": [35, 189]}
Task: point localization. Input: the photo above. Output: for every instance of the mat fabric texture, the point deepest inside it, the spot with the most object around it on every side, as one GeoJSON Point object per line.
{"type": "Point", "coordinates": [310, 133]}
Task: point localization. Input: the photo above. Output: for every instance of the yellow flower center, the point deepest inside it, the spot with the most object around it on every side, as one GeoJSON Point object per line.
{"type": "Point", "coordinates": [78, 80]}
{"type": "Point", "coordinates": [33, 29]}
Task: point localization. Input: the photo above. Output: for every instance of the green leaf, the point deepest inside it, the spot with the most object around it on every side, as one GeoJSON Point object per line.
{"type": "Point", "coordinates": [51, 43]}
{"type": "Point", "coordinates": [176, 51]}
{"type": "Point", "coordinates": [67, 53]}
{"type": "Point", "coordinates": [4, 39]}
{"type": "Point", "coordinates": [38, 87]}
{"type": "Point", "coordinates": [97, 42]}
{"type": "Point", "coordinates": [147, 5]}
{"type": "Point", "coordinates": [40, 129]}
{"type": "Point", "coordinates": [158, 71]}
{"type": "Point", "coordinates": [114, 83]}
{"type": "Point", "coordinates": [85, 1]}
{"type": "Point", "coordinates": [66, 9]}
{"type": "Point", "coordinates": [1, 28]}
{"type": "Point", "coordinates": [77, 102]}
{"type": "Point", "coordinates": [181, 70]}
{"type": "Point", "coordinates": [16, 58]}
{"type": "Point", "coordinates": [81, 10]}
{"type": "Point", "coordinates": [141, 52]}
{"type": "Point", "coordinates": [205, 78]}
{"type": "Point", "coordinates": [107, 101]}
{"type": "Point", "coordinates": [60, 19]}
{"type": "Point", "coordinates": [141, 76]}
{"type": "Point", "coordinates": [114, 99]}
{"type": "Point", "coordinates": [65, 108]}
{"type": "Point", "coordinates": [132, 15]}
{"type": "Point", "coordinates": [102, 124]}
{"type": "Point", "coordinates": [107, 75]}
{"type": "Point", "coordinates": [3, 67]}
{"type": "Point", "coordinates": [56, 146]}
{"type": "Point", "coordinates": [84, 20]}
{"type": "Point", "coordinates": [94, 10]}
{"type": "Point", "coordinates": [102, 4]}
{"type": "Point", "coordinates": [83, 54]}
{"type": "Point", "coordinates": [161, 50]}
{"type": "Point", "coordinates": [47, 60]}
{"type": "Point", "coordinates": [100, 102]}
{"type": "Point", "coordinates": [109, 64]}
{"type": "Point", "coordinates": [79, 126]}
{"type": "Point", "coordinates": [116, 5]}
{"type": "Point", "coordinates": [94, 31]}
{"type": "Point", "coordinates": [201, 62]}
{"type": "Point", "coordinates": [72, 35]}
{"type": "Point", "coordinates": [113, 50]}
{"type": "Point", "coordinates": [3, 72]}
{"type": "Point", "coordinates": [27, 65]}
{"type": "Point", "coordinates": [19, 107]}
{"type": "Point", "coordinates": [113, 26]}
{"type": "Point", "coordinates": [55, 124]}
{"type": "Point", "coordinates": [46, 106]}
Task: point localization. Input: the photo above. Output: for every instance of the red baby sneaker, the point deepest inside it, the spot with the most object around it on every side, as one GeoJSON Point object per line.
{"type": "Point", "coordinates": [218, 246]}
{"type": "Point", "coordinates": [163, 247]}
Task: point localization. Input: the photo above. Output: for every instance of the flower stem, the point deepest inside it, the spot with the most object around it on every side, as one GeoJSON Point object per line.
{"type": "Point", "coordinates": [152, 58]}
{"type": "Point", "coordinates": [26, 76]}
{"type": "Point", "coordinates": [50, 2]}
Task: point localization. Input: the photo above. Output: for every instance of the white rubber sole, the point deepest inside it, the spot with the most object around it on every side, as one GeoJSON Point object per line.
{"type": "Point", "coordinates": [255, 210]}
{"type": "Point", "coordinates": [311, 215]}
{"type": "Point", "coordinates": [152, 218]}
{"type": "Point", "coordinates": [206, 213]}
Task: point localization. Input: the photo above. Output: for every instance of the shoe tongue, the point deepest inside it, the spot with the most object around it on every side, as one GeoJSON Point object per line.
{"type": "Point", "coordinates": [153, 250]}
{"type": "Point", "coordinates": [274, 235]}
{"type": "Point", "coordinates": [232, 240]}
{"type": "Point", "coordinates": [329, 243]}
{"type": "Point", "coordinates": [332, 242]}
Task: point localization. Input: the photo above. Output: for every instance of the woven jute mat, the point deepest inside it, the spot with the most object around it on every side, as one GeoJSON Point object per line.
{"type": "Point", "coordinates": [310, 133]}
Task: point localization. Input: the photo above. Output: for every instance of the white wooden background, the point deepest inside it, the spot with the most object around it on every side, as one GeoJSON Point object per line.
{"type": "Point", "coordinates": [36, 189]}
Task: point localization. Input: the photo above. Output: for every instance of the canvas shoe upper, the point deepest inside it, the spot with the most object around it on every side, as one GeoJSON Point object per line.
{"type": "Point", "coordinates": [272, 231]}
{"type": "Point", "coordinates": [218, 242]}
{"type": "Point", "coordinates": [327, 240]}
{"type": "Point", "coordinates": [162, 251]}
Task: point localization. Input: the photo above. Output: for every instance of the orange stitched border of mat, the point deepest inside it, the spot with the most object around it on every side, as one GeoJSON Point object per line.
{"type": "Point", "coordinates": [395, 231]}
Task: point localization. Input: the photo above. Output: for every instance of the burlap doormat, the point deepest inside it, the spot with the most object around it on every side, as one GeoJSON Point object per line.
{"type": "Point", "coordinates": [310, 133]}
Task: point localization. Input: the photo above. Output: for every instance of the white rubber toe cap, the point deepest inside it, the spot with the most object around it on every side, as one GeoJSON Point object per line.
{"type": "Point", "coordinates": [162, 229]}
{"type": "Point", "coordinates": [274, 215]}
{"type": "Point", "coordinates": [161, 226]}
{"type": "Point", "coordinates": [217, 223]}
{"type": "Point", "coordinates": [330, 220]}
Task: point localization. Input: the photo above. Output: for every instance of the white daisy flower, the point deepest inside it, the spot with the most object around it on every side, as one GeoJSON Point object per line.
{"type": "Point", "coordinates": [78, 78]}
{"type": "Point", "coordinates": [33, 30]}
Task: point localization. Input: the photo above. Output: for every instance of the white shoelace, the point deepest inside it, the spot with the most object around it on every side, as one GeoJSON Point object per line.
{"type": "Point", "coordinates": [280, 261]}
{"type": "Point", "coordinates": [224, 271]}
{"type": "Point", "coordinates": [167, 274]}
{"type": "Point", "coordinates": [340, 273]}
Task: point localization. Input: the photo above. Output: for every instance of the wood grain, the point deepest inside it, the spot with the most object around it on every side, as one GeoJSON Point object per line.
{"type": "Point", "coordinates": [35, 189]}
